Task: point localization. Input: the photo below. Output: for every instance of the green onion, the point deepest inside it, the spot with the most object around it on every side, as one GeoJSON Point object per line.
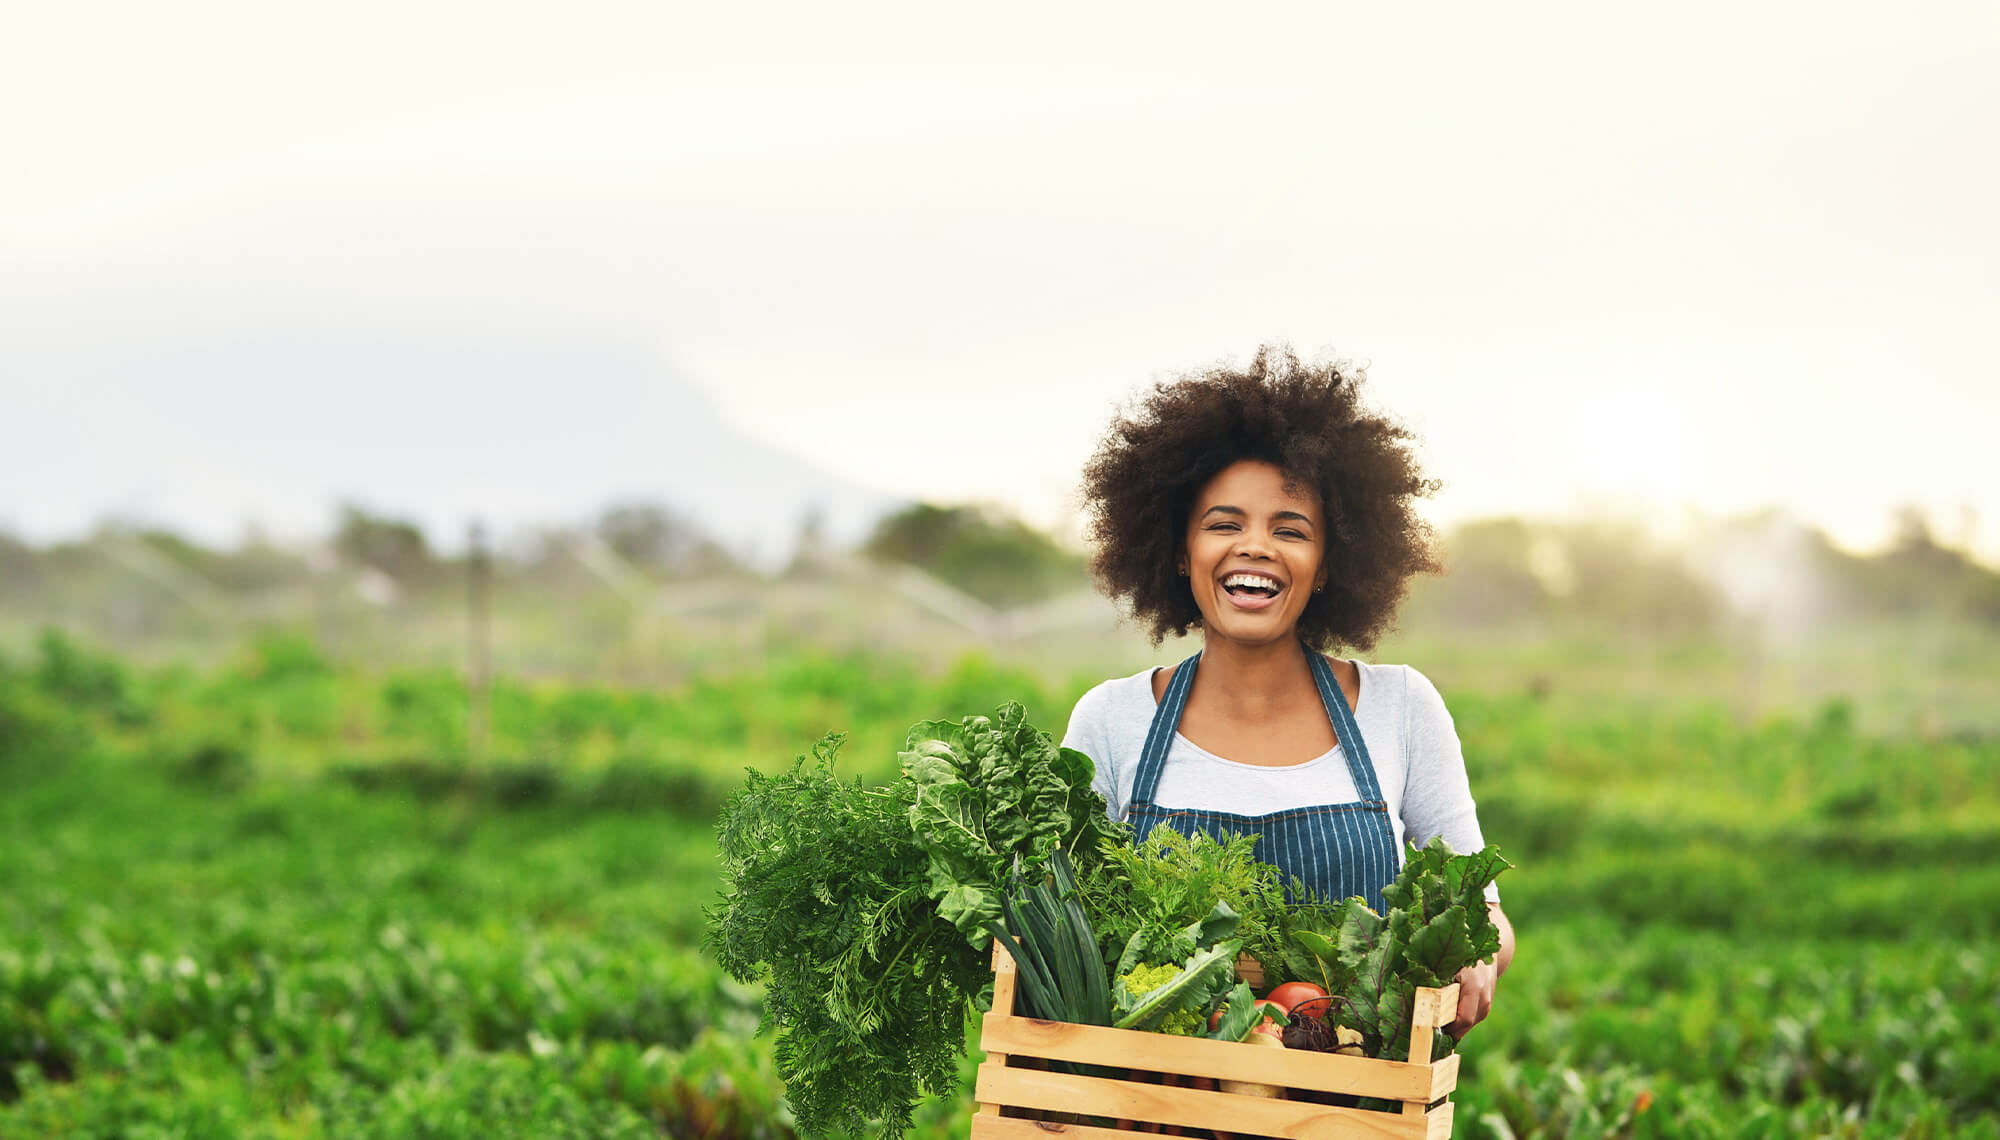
{"type": "Point", "coordinates": [1054, 947]}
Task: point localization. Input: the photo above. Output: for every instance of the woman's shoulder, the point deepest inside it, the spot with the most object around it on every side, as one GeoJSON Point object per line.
{"type": "Point", "coordinates": [1403, 688]}
{"type": "Point", "coordinates": [1116, 701]}
{"type": "Point", "coordinates": [1117, 695]}
{"type": "Point", "coordinates": [1386, 670]}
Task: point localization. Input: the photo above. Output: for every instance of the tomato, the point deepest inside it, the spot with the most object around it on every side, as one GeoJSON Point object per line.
{"type": "Point", "coordinates": [1300, 999]}
{"type": "Point", "coordinates": [1317, 1009]}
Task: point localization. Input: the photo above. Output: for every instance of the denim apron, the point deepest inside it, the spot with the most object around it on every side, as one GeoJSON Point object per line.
{"type": "Point", "coordinates": [1336, 850]}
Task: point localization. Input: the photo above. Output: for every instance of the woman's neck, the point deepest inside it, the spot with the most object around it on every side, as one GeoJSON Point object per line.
{"type": "Point", "coordinates": [1251, 680]}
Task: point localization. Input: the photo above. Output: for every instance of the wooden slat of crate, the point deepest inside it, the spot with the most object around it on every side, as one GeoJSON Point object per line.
{"type": "Point", "coordinates": [1444, 1078]}
{"type": "Point", "coordinates": [1013, 1128]}
{"type": "Point", "coordinates": [1003, 1004]}
{"type": "Point", "coordinates": [1003, 1033]}
{"type": "Point", "coordinates": [1429, 1009]}
{"type": "Point", "coordinates": [1435, 1009]}
{"type": "Point", "coordinates": [1224, 1060]}
{"type": "Point", "coordinates": [1229, 1112]}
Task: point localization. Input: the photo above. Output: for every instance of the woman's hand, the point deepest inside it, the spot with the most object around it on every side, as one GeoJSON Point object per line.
{"type": "Point", "coordinates": [1477, 981]}
{"type": "Point", "coordinates": [1475, 996]}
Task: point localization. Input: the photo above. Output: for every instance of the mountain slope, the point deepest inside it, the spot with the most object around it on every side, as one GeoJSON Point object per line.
{"type": "Point", "coordinates": [205, 429]}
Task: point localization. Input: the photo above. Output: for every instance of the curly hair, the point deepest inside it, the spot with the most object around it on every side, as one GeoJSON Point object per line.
{"type": "Point", "coordinates": [1306, 420]}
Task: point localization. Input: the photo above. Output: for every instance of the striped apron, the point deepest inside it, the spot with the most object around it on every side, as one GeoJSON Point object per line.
{"type": "Point", "coordinates": [1335, 850]}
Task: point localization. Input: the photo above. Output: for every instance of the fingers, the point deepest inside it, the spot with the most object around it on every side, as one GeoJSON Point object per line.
{"type": "Point", "coordinates": [1475, 998]}
{"type": "Point", "coordinates": [1473, 1007]}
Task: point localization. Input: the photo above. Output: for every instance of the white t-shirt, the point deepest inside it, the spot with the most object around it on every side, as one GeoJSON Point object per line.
{"type": "Point", "coordinates": [1410, 737]}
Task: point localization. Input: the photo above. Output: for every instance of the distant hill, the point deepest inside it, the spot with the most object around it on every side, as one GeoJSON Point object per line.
{"type": "Point", "coordinates": [202, 430]}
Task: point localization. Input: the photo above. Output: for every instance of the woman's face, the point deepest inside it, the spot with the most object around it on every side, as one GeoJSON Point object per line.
{"type": "Point", "coordinates": [1254, 553]}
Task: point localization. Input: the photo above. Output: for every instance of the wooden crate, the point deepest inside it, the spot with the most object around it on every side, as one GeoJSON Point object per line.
{"type": "Point", "coordinates": [1020, 1095]}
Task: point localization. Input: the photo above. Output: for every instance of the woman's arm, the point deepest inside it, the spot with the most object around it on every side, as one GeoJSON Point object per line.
{"type": "Point", "coordinates": [1098, 717]}
{"type": "Point", "coordinates": [1476, 982]}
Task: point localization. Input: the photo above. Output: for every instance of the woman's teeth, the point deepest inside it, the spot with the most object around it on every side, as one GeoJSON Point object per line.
{"type": "Point", "coordinates": [1255, 584]}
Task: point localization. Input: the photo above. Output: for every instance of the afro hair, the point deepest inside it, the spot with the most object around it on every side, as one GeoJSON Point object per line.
{"type": "Point", "coordinates": [1306, 420]}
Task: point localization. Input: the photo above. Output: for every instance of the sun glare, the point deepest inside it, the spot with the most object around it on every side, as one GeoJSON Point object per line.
{"type": "Point", "coordinates": [1637, 443]}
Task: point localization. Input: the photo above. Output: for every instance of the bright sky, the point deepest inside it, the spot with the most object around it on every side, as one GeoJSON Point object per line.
{"type": "Point", "coordinates": [1706, 255]}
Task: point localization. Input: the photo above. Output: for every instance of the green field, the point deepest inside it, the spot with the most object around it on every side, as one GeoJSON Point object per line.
{"type": "Point", "coordinates": [280, 898]}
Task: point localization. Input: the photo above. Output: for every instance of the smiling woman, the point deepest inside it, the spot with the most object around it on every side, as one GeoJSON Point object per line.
{"type": "Point", "coordinates": [1254, 553]}
{"type": "Point", "coordinates": [1269, 509]}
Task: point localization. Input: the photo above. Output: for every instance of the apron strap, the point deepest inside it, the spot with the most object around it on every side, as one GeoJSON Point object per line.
{"type": "Point", "coordinates": [1352, 746]}
{"type": "Point", "coordinates": [1160, 737]}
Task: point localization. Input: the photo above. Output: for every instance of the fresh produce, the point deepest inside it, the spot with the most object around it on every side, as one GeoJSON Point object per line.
{"type": "Point", "coordinates": [1272, 1017]}
{"type": "Point", "coordinates": [1054, 949]}
{"type": "Point", "coordinates": [1312, 1034]}
{"type": "Point", "coordinates": [1256, 1088]}
{"type": "Point", "coordinates": [1160, 887]}
{"type": "Point", "coordinates": [1348, 1041]}
{"type": "Point", "coordinates": [1150, 993]}
{"type": "Point", "coordinates": [1372, 965]}
{"type": "Point", "coordinates": [1291, 996]}
{"type": "Point", "coordinates": [1266, 1016]}
{"type": "Point", "coordinates": [1266, 1023]}
{"type": "Point", "coordinates": [864, 911]}
{"type": "Point", "coordinates": [984, 792]}
{"type": "Point", "coordinates": [1172, 999]}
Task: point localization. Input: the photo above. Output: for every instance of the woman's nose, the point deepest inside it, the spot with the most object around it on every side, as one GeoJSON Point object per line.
{"type": "Point", "coordinates": [1253, 544]}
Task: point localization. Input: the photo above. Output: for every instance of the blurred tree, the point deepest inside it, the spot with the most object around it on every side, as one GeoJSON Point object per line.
{"type": "Point", "coordinates": [652, 537]}
{"type": "Point", "coordinates": [992, 557]}
{"type": "Point", "coordinates": [257, 563]}
{"type": "Point", "coordinates": [20, 568]}
{"type": "Point", "coordinates": [1917, 574]}
{"type": "Point", "coordinates": [396, 548]}
{"type": "Point", "coordinates": [1624, 580]}
{"type": "Point", "coordinates": [183, 552]}
{"type": "Point", "coordinates": [1489, 578]}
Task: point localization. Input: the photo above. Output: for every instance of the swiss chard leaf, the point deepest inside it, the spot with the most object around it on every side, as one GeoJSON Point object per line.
{"type": "Point", "coordinates": [982, 791]}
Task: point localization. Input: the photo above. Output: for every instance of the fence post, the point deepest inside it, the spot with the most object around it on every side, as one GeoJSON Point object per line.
{"type": "Point", "coordinates": [479, 664]}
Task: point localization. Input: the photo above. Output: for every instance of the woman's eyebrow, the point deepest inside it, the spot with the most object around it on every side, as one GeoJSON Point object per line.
{"type": "Point", "coordinates": [1293, 515]}
{"type": "Point", "coordinates": [1238, 512]}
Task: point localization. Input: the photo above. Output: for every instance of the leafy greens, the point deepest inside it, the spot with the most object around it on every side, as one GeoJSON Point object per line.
{"type": "Point", "coordinates": [1156, 889]}
{"type": "Point", "coordinates": [864, 910]}
{"type": "Point", "coordinates": [987, 791]}
{"type": "Point", "coordinates": [1054, 949]}
{"type": "Point", "coordinates": [1372, 965]}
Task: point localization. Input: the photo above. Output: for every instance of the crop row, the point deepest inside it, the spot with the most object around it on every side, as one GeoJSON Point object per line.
{"type": "Point", "coordinates": [1715, 1028]}
{"type": "Point", "coordinates": [279, 900]}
